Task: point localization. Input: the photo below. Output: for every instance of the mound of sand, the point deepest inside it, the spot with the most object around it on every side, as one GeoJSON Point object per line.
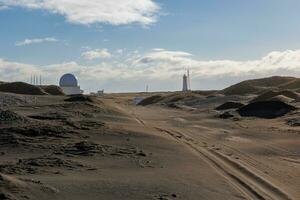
{"type": "Point", "coordinates": [80, 98]}
{"type": "Point", "coordinates": [7, 99]}
{"type": "Point", "coordinates": [291, 85]}
{"type": "Point", "coordinates": [21, 88]}
{"type": "Point", "coordinates": [25, 88]}
{"type": "Point", "coordinates": [226, 115]}
{"type": "Point", "coordinates": [9, 117]}
{"type": "Point", "coordinates": [51, 116]}
{"type": "Point", "coordinates": [206, 92]}
{"type": "Point", "coordinates": [180, 97]}
{"type": "Point", "coordinates": [266, 109]}
{"type": "Point", "coordinates": [258, 86]}
{"type": "Point", "coordinates": [214, 96]}
{"type": "Point", "coordinates": [38, 165]}
{"type": "Point", "coordinates": [36, 131]}
{"type": "Point", "coordinates": [285, 96]}
{"type": "Point", "coordinates": [230, 105]}
{"type": "Point", "coordinates": [13, 188]}
{"type": "Point", "coordinates": [8, 183]}
{"type": "Point", "coordinates": [150, 100]}
{"type": "Point", "coordinates": [53, 90]}
{"type": "Point", "coordinates": [282, 98]}
{"type": "Point", "coordinates": [293, 122]}
{"type": "Point", "coordinates": [171, 99]}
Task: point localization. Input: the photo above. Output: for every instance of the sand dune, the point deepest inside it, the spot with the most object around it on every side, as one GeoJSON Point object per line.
{"type": "Point", "coordinates": [81, 147]}
{"type": "Point", "coordinates": [282, 98]}
{"type": "Point", "coordinates": [285, 95]}
{"type": "Point", "coordinates": [229, 105]}
{"type": "Point", "coordinates": [171, 98]}
{"type": "Point", "coordinates": [258, 86]}
{"type": "Point", "coordinates": [266, 109]}
{"type": "Point", "coordinates": [21, 88]}
{"type": "Point", "coordinates": [25, 88]}
{"type": "Point", "coordinates": [53, 90]}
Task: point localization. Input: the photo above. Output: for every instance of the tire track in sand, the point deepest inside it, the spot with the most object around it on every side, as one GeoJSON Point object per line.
{"type": "Point", "coordinates": [245, 180]}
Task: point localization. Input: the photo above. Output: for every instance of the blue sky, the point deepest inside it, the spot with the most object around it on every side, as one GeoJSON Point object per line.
{"type": "Point", "coordinates": [174, 34]}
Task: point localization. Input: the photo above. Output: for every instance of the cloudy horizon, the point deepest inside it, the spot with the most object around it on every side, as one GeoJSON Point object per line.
{"type": "Point", "coordinates": [124, 46]}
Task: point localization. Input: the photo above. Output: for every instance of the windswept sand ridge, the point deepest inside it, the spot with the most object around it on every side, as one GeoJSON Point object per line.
{"type": "Point", "coordinates": [53, 90]}
{"type": "Point", "coordinates": [28, 89]}
{"type": "Point", "coordinates": [285, 95]}
{"type": "Point", "coordinates": [240, 177]}
{"type": "Point", "coordinates": [193, 100]}
{"type": "Point", "coordinates": [13, 188]}
{"type": "Point", "coordinates": [282, 98]}
{"type": "Point", "coordinates": [168, 99]}
{"type": "Point", "coordinates": [9, 117]}
{"type": "Point", "coordinates": [266, 109]}
{"type": "Point", "coordinates": [9, 99]}
{"type": "Point", "coordinates": [39, 165]}
{"type": "Point", "coordinates": [80, 98]}
{"type": "Point", "coordinates": [109, 148]}
{"type": "Point", "coordinates": [21, 88]}
{"type": "Point", "coordinates": [293, 121]}
{"type": "Point", "coordinates": [258, 86]}
{"type": "Point", "coordinates": [150, 100]}
{"type": "Point", "coordinates": [252, 187]}
{"type": "Point", "coordinates": [291, 85]}
{"type": "Point", "coordinates": [230, 105]}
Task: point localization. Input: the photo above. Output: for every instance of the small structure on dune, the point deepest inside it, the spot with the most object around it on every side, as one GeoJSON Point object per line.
{"type": "Point", "coordinates": [69, 85]}
{"type": "Point", "coordinates": [186, 85]}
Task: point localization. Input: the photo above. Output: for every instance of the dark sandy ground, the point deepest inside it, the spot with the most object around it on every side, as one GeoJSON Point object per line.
{"type": "Point", "coordinates": [109, 148]}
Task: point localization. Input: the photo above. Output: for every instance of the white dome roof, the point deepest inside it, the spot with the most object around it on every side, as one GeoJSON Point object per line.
{"type": "Point", "coordinates": [68, 80]}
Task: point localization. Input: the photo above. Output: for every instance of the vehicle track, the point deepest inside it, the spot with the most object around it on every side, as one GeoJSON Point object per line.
{"type": "Point", "coordinates": [236, 153]}
{"type": "Point", "coordinates": [245, 180]}
{"type": "Point", "coordinates": [242, 178]}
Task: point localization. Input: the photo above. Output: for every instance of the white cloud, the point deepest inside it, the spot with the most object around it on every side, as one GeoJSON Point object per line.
{"type": "Point", "coordinates": [161, 55]}
{"type": "Point", "coordinates": [120, 51]}
{"type": "Point", "coordinates": [161, 69]}
{"type": "Point", "coordinates": [95, 54]}
{"type": "Point", "coordinates": [177, 61]}
{"type": "Point", "coordinates": [114, 12]}
{"type": "Point", "coordinates": [35, 41]}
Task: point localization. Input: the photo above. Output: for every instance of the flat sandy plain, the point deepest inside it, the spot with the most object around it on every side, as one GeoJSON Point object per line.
{"type": "Point", "coordinates": [109, 148]}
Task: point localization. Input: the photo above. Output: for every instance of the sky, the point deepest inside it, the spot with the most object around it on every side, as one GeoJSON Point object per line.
{"type": "Point", "coordinates": [122, 46]}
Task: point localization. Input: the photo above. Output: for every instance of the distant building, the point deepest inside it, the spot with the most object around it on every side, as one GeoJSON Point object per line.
{"type": "Point", "coordinates": [99, 93]}
{"type": "Point", "coordinates": [69, 84]}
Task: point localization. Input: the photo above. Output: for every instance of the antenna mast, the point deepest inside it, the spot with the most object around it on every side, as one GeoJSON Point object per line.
{"type": "Point", "coordinates": [189, 79]}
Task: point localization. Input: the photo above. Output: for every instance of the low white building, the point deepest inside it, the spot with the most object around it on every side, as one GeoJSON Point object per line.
{"type": "Point", "coordinates": [69, 84]}
{"type": "Point", "coordinates": [98, 94]}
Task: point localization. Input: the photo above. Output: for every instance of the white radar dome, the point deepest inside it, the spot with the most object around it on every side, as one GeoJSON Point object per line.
{"type": "Point", "coordinates": [68, 80]}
